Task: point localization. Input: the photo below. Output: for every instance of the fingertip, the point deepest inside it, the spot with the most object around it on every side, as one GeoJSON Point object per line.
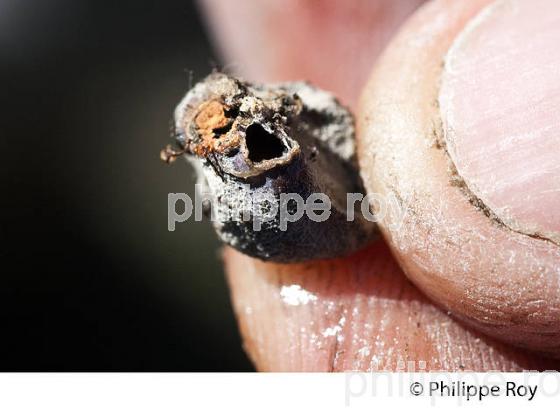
{"type": "Point", "coordinates": [504, 283]}
{"type": "Point", "coordinates": [356, 313]}
{"type": "Point", "coordinates": [331, 43]}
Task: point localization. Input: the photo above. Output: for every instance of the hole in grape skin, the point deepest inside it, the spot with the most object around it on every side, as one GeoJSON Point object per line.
{"type": "Point", "coordinates": [261, 144]}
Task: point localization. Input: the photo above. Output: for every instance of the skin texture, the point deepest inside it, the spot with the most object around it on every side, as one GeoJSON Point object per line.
{"type": "Point", "coordinates": [359, 312]}
{"type": "Point", "coordinates": [509, 162]}
{"type": "Point", "coordinates": [356, 313]}
{"type": "Point", "coordinates": [504, 283]}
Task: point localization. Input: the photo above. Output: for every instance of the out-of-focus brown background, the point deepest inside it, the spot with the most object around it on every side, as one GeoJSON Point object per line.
{"type": "Point", "coordinates": [91, 279]}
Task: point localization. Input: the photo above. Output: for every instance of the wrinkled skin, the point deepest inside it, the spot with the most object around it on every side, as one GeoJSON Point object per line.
{"type": "Point", "coordinates": [251, 144]}
{"type": "Point", "coordinates": [503, 282]}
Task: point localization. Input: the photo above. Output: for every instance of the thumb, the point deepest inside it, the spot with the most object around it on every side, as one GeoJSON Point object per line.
{"type": "Point", "coordinates": [462, 120]}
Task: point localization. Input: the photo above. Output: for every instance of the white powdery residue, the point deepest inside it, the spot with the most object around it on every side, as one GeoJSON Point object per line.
{"type": "Point", "coordinates": [331, 331]}
{"type": "Point", "coordinates": [334, 330]}
{"type": "Point", "coordinates": [294, 295]}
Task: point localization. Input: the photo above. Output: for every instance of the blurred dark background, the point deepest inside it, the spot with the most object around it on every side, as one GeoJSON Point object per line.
{"type": "Point", "coordinates": [91, 279]}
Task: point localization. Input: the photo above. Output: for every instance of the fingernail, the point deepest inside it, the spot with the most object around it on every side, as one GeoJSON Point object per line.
{"type": "Point", "coordinates": [500, 108]}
